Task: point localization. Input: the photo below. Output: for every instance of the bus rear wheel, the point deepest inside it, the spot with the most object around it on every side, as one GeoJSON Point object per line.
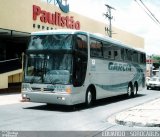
{"type": "Point", "coordinates": [135, 89]}
{"type": "Point", "coordinates": [89, 98]}
{"type": "Point", "coordinates": [130, 92]}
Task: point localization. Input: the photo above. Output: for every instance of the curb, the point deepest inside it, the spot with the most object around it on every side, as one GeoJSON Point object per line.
{"type": "Point", "coordinates": [140, 123]}
{"type": "Point", "coordinates": [144, 115]}
{"type": "Point", "coordinates": [114, 120]}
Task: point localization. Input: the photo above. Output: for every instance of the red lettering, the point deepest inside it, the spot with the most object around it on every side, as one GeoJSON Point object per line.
{"type": "Point", "coordinates": [36, 11]}
{"type": "Point", "coordinates": [67, 21]}
{"type": "Point", "coordinates": [55, 18]}
{"type": "Point", "coordinates": [43, 17]}
{"type": "Point", "coordinates": [63, 22]}
{"type": "Point", "coordinates": [71, 23]}
{"type": "Point", "coordinates": [51, 18]}
{"type": "Point", "coordinates": [77, 25]}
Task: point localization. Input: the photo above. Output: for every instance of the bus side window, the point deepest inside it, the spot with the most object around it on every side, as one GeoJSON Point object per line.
{"type": "Point", "coordinates": [142, 58]}
{"type": "Point", "coordinates": [80, 60]}
{"type": "Point", "coordinates": [81, 44]}
{"type": "Point", "coordinates": [125, 54]}
{"type": "Point", "coordinates": [122, 53]}
{"type": "Point", "coordinates": [96, 48]}
{"type": "Point", "coordinates": [128, 55]}
{"type": "Point", "coordinates": [117, 53]}
{"type": "Point", "coordinates": [107, 51]}
{"type": "Point", "coordinates": [135, 56]}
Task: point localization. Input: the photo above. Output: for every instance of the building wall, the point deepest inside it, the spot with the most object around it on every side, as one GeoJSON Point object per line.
{"type": "Point", "coordinates": [17, 78]}
{"type": "Point", "coordinates": [129, 38]}
{"type": "Point", "coordinates": [18, 15]}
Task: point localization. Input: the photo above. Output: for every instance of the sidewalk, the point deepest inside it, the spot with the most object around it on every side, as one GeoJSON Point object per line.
{"type": "Point", "coordinates": [145, 115]}
{"type": "Point", "coordinates": [7, 99]}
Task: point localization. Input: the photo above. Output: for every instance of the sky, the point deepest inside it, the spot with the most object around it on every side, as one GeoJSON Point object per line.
{"type": "Point", "coordinates": [128, 16]}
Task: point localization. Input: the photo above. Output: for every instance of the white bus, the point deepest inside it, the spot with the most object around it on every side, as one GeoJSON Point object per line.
{"type": "Point", "coordinates": [70, 67]}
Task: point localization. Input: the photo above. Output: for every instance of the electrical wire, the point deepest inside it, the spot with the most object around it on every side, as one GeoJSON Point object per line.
{"type": "Point", "coordinates": [148, 12]}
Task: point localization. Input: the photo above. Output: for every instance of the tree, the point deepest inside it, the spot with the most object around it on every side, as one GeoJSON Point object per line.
{"type": "Point", "coordinates": [156, 62]}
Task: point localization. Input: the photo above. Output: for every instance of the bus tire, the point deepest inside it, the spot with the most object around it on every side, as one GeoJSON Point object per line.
{"type": "Point", "coordinates": [135, 89]}
{"type": "Point", "coordinates": [130, 91]}
{"type": "Point", "coordinates": [89, 97]}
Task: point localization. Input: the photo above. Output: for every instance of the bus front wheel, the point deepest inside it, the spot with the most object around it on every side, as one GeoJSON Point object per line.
{"type": "Point", "coordinates": [89, 98]}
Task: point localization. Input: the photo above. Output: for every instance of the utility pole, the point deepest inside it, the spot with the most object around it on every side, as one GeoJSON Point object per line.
{"type": "Point", "coordinates": [110, 17]}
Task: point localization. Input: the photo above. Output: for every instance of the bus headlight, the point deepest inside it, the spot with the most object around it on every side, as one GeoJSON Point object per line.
{"type": "Point", "coordinates": [24, 96]}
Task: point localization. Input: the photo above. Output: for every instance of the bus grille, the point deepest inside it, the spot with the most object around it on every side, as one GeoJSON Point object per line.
{"type": "Point", "coordinates": [42, 89]}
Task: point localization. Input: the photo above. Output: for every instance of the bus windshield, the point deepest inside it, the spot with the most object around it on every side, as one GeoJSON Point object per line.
{"type": "Point", "coordinates": [56, 41]}
{"type": "Point", "coordinates": [48, 68]}
{"type": "Point", "coordinates": [45, 61]}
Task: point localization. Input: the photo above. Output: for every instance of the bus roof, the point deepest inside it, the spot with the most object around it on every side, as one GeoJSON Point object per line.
{"type": "Point", "coordinates": [94, 35]}
{"type": "Point", "coordinates": [58, 31]}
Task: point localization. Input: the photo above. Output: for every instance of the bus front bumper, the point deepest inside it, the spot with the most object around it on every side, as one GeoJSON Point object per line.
{"type": "Point", "coordinates": [49, 98]}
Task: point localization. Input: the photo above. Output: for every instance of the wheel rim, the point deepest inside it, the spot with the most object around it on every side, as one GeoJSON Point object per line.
{"type": "Point", "coordinates": [89, 97]}
{"type": "Point", "coordinates": [129, 91]}
{"type": "Point", "coordinates": [135, 90]}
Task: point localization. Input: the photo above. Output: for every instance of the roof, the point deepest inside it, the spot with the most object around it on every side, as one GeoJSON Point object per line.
{"type": "Point", "coordinates": [58, 31]}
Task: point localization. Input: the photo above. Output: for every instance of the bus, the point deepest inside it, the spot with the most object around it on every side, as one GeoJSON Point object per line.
{"type": "Point", "coordinates": [70, 67]}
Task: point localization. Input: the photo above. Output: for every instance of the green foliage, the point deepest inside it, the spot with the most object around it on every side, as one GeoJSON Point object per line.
{"type": "Point", "coordinates": [155, 57]}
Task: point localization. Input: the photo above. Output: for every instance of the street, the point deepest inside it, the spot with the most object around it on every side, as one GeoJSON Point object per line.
{"type": "Point", "coordinates": [27, 116]}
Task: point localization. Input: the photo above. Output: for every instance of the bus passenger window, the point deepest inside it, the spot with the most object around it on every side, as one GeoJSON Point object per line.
{"type": "Point", "coordinates": [109, 54]}
{"type": "Point", "coordinates": [116, 55]}
{"type": "Point", "coordinates": [96, 48]}
{"type": "Point", "coordinates": [142, 58]}
{"type": "Point", "coordinates": [80, 60]}
{"type": "Point", "coordinates": [128, 55]}
{"type": "Point", "coordinates": [107, 51]}
{"type": "Point", "coordinates": [81, 43]}
{"type": "Point", "coordinates": [122, 54]}
{"type": "Point", "coordinates": [135, 56]}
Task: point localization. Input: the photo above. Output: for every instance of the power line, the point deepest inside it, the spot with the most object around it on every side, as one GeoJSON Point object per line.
{"type": "Point", "coordinates": [146, 12]}
{"type": "Point", "coordinates": [150, 14]}
{"type": "Point", "coordinates": [150, 11]}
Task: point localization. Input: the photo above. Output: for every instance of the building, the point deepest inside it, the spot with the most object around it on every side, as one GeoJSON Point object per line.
{"type": "Point", "coordinates": [21, 17]}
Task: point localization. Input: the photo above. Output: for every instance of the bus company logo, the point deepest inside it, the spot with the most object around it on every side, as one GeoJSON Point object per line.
{"type": "Point", "coordinates": [119, 67]}
{"type": "Point", "coordinates": [55, 18]}
{"type": "Point", "coordinates": [64, 8]}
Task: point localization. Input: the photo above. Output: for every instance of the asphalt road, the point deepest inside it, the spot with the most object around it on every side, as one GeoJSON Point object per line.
{"type": "Point", "coordinates": [27, 116]}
